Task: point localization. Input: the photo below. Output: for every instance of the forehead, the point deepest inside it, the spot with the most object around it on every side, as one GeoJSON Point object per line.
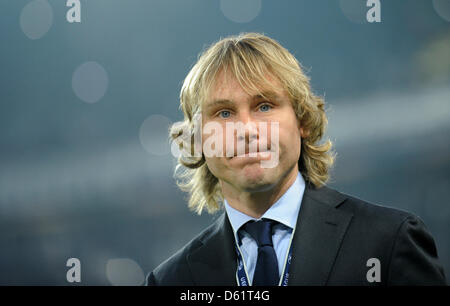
{"type": "Point", "coordinates": [227, 86]}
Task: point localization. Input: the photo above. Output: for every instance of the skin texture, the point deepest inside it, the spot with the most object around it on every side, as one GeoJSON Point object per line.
{"type": "Point", "coordinates": [246, 185]}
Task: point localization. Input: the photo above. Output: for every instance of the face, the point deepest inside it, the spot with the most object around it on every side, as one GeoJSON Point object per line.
{"type": "Point", "coordinates": [229, 103]}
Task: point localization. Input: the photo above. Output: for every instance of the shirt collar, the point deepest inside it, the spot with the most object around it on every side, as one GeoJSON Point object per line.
{"type": "Point", "coordinates": [285, 210]}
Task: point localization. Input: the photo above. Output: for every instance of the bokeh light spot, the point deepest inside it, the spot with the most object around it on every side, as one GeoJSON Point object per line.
{"type": "Point", "coordinates": [36, 18]}
{"type": "Point", "coordinates": [355, 10]}
{"type": "Point", "coordinates": [240, 11]}
{"type": "Point", "coordinates": [154, 133]}
{"type": "Point", "coordinates": [90, 82]}
{"type": "Point", "coordinates": [442, 8]}
{"type": "Point", "coordinates": [124, 272]}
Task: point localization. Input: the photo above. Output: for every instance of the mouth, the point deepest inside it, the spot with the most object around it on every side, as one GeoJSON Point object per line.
{"type": "Point", "coordinates": [259, 154]}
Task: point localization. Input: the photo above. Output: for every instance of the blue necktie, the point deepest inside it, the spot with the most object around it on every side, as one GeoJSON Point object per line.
{"type": "Point", "coordinates": [266, 271]}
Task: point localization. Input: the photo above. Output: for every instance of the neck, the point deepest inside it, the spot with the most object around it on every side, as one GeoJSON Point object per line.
{"type": "Point", "coordinates": [256, 203]}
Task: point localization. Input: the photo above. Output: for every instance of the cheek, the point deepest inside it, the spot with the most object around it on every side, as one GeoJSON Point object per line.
{"type": "Point", "coordinates": [214, 165]}
{"type": "Point", "coordinates": [227, 139]}
{"type": "Point", "coordinates": [213, 140]}
{"type": "Point", "coordinates": [290, 140]}
{"type": "Point", "coordinates": [214, 143]}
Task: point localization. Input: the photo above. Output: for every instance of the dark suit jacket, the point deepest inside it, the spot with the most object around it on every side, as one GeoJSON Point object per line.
{"type": "Point", "coordinates": [335, 236]}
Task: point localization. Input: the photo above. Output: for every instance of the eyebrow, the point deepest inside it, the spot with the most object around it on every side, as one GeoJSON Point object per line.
{"type": "Point", "coordinates": [223, 102]}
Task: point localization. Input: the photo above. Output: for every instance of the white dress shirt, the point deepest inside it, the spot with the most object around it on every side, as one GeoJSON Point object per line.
{"type": "Point", "coordinates": [285, 211]}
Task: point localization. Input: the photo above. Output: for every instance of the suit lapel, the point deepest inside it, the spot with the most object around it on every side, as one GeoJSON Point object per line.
{"type": "Point", "coordinates": [214, 263]}
{"type": "Point", "coordinates": [319, 233]}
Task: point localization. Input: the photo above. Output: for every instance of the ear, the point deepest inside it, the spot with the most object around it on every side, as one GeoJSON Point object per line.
{"type": "Point", "coordinates": [303, 133]}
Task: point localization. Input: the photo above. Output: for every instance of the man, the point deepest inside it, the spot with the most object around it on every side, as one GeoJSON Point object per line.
{"type": "Point", "coordinates": [281, 225]}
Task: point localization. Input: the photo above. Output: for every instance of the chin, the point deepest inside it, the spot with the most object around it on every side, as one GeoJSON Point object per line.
{"type": "Point", "coordinates": [257, 186]}
{"type": "Point", "coordinates": [255, 177]}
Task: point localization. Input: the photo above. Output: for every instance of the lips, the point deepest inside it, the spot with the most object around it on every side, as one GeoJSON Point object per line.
{"type": "Point", "coordinates": [254, 154]}
{"type": "Point", "coordinates": [255, 151]}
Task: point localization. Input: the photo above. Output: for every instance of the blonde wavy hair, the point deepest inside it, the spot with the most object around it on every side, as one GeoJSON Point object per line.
{"type": "Point", "coordinates": [249, 57]}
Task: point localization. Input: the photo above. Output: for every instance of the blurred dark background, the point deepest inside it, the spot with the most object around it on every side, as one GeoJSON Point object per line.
{"type": "Point", "coordinates": [85, 168]}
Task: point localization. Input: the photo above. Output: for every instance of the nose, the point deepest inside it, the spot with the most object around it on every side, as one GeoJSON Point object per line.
{"type": "Point", "coordinates": [251, 128]}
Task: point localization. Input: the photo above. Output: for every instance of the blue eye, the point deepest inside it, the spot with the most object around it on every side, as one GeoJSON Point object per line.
{"type": "Point", "coordinates": [225, 112]}
{"type": "Point", "coordinates": [266, 107]}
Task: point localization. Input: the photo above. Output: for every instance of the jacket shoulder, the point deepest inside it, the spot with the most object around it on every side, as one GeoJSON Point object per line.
{"type": "Point", "coordinates": [175, 270]}
{"type": "Point", "coordinates": [409, 248]}
{"type": "Point", "coordinates": [369, 211]}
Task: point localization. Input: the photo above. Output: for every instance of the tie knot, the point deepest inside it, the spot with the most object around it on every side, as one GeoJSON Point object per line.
{"type": "Point", "coordinates": [261, 231]}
